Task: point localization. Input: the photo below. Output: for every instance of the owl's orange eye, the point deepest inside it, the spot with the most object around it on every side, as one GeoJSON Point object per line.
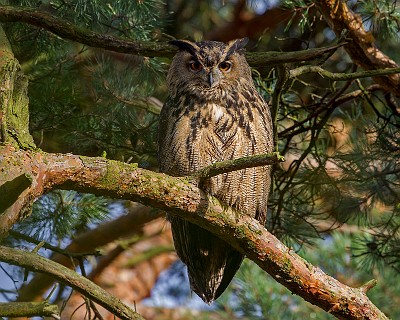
{"type": "Point", "coordinates": [195, 66]}
{"type": "Point", "coordinates": [225, 66]}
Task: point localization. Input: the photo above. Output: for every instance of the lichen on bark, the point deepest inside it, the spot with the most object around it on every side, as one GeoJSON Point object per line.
{"type": "Point", "coordinates": [14, 112]}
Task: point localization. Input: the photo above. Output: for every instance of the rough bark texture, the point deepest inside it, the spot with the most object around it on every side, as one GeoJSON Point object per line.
{"type": "Point", "coordinates": [14, 114]}
{"type": "Point", "coordinates": [28, 309]}
{"type": "Point", "coordinates": [360, 46]}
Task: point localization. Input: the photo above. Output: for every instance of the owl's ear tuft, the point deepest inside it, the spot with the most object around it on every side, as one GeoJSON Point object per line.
{"type": "Point", "coordinates": [185, 45]}
{"type": "Point", "coordinates": [236, 45]}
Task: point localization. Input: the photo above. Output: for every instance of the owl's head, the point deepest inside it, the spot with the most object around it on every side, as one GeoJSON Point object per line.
{"type": "Point", "coordinates": [208, 65]}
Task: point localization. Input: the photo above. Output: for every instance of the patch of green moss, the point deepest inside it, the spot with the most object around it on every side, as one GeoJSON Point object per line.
{"type": "Point", "coordinates": [14, 104]}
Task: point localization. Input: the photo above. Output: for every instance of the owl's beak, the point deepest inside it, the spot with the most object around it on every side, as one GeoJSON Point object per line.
{"type": "Point", "coordinates": [213, 78]}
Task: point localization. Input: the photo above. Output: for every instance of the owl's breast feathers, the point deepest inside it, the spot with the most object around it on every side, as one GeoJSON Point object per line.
{"type": "Point", "coordinates": [201, 130]}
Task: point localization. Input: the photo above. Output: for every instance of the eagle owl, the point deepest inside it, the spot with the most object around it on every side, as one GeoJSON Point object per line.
{"type": "Point", "coordinates": [213, 113]}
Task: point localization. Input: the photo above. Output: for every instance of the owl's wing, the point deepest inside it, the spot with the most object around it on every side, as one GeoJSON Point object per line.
{"type": "Point", "coordinates": [171, 148]}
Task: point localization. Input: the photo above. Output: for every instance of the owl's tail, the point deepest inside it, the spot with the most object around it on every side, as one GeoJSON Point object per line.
{"type": "Point", "coordinates": [211, 262]}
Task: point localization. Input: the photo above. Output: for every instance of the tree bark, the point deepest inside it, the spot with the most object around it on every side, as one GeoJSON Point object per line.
{"type": "Point", "coordinates": [28, 309]}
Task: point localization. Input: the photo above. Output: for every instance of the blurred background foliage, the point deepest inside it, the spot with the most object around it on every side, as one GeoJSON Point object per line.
{"type": "Point", "coordinates": [340, 139]}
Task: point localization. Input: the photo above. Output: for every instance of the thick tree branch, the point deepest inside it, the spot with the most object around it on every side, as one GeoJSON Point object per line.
{"type": "Point", "coordinates": [361, 47]}
{"type": "Point", "coordinates": [181, 196]}
{"type": "Point", "coordinates": [11, 190]}
{"type": "Point", "coordinates": [69, 31]}
{"type": "Point", "coordinates": [34, 262]}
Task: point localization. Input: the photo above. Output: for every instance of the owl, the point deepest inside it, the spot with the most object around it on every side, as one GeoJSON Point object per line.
{"type": "Point", "coordinates": [214, 113]}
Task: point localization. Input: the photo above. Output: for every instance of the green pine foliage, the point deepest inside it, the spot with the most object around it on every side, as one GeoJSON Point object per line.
{"type": "Point", "coordinates": [382, 17]}
{"type": "Point", "coordinates": [61, 214]}
{"type": "Point", "coordinates": [345, 147]}
{"type": "Point", "coordinates": [91, 101]}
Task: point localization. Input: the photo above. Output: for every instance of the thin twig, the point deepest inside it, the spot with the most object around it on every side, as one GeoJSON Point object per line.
{"type": "Point", "coordinates": [90, 303]}
{"type": "Point", "coordinates": [341, 76]}
{"type": "Point", "coordinates": [18, 235]}
{"type": "Point", "coordinates": [237, 164]}
{"type": "Point", "coordinates": [369, 285]}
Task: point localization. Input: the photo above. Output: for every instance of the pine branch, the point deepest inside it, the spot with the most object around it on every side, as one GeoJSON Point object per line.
{"type": "Point", "coordinates": [34, 262]}
{"type": "Point", "coordinates": [66, 253]}
{"type": "Point", "coordinates": [360, 47]}
{"type": "Point", "coordinates": [180, 196]}
{"type": "Point", "coordinates": [69, 31]}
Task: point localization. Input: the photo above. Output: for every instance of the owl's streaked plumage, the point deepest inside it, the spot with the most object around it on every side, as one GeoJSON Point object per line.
{"type": "Point", "coordinates": [214, 113]}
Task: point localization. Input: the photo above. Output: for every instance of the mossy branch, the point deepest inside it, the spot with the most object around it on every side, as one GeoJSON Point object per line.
{"type": "Point", "coordinates": [14, 113]}
{"type": "Point", "coordinates": [28, 309]}
{"type": "Point", "coordinates": [37, 263]}
{"type": "Point", "coordinates": [69, 31]}
{"type": "Point", "coordinates": [181, 196]}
